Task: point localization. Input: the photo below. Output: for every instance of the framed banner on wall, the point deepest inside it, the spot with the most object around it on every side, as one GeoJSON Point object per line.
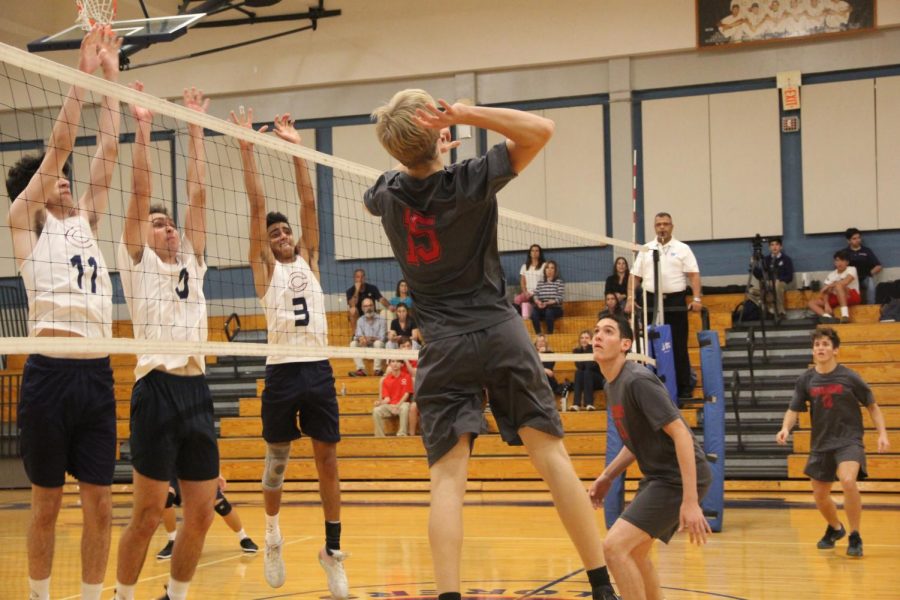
{"type": "Point", "coordinates": [733, 22]}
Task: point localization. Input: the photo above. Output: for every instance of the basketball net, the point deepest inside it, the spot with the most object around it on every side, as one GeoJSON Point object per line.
{"type": "Point", "coordinates": [95, 12]}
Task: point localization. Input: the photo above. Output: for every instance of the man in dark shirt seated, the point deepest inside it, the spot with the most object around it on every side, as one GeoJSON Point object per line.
{"type": "Point", "coordinates": [359, 291]}
{"type": "Point", "coordinates": [865, 261]}
{"type": "Point", "coordinates": [777, 267]}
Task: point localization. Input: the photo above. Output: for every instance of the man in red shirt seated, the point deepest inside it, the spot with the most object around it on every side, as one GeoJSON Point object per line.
{"type": "Point", "coordinates": [396, 388]}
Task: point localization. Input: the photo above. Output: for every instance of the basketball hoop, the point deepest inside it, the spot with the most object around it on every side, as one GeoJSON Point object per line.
{"type": "Point", "coordinates": [95, 12]}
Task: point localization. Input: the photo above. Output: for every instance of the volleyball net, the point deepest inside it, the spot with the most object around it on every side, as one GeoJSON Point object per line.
{"type": "Point", "coordinates": [210, 176]}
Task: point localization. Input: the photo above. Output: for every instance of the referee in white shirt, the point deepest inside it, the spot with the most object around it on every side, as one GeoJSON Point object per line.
{"type": "Point", "coordinates": [677, 269]}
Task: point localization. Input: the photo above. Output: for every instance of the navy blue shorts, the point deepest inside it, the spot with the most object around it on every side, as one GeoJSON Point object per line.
{"type": "Point", "coordinates": [67, 420]}
{"type": "Point", "coordinates": [172, 429]}
{"type": "Point", "coordinates": [300, 396]}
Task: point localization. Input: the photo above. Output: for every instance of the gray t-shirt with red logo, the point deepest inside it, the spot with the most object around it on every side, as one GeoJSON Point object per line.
{"type": "Point", "coordinates": [833, 400]}
{"type": "Point", "coordinates": [443, 231]}
{"type": "Point", "coordinates": [640, 406]}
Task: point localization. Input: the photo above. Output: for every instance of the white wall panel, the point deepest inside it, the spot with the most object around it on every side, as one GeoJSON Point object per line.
{"type": "Point", "coordinates": [838, 136]}
{"type": "Point", "coordinates": [887, 107]}
{"type": "Point", "coordinates": [745, 155]}
{"type": "Point", "coordinates": [676, 165]}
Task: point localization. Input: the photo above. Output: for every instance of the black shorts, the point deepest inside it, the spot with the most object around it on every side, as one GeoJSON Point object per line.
{"type": "Point", "coordinates": [305, 389]}
{"type": "Point", "coordinates": [454, 371]}
{"type": "Point", "coordinates": [822, 466]}
{"type": "Point", "coordinates": [67, 420]}
{"type": "Point", "coordinates": [656, 508]}
{"type": "Point", "coordinates": [172, 429]}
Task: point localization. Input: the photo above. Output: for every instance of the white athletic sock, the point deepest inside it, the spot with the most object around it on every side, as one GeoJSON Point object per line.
{"type": "Point", "coordinates": [91, 591]}
{"type": "Point", "coordinates": [845, 312]}
{"type": "Point", "coordinates": [177, 590]}
{"type": "Point", "coordinates": [241, 535]}
{"type": "Point", "coordinates": [172, 535]}
{"type": "Point", "coordinates": [40, 587]}
{"type": "Point", "coordinates": [273, 532]}
{"type": "Point", "coordinates": [124, 592]}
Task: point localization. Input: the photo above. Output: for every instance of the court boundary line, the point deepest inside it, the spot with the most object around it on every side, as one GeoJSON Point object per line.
{"type": "Point", "coordinates": [199, 566]}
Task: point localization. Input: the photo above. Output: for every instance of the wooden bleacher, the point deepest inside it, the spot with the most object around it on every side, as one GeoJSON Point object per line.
{"type": "Point", "coordinates": [369, 463]}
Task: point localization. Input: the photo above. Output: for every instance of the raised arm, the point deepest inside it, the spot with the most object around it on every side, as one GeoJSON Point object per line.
{"type": "Point", "coordinates": [95, 199]}
{"type": "Point", "coordinates": [526, 133]}
{"type": "Point", "coordinates": [262, 261]}
{"type": "Point", "coordinates": [33, 198]}
{"type": "Point", "coordinates": [137, 221]}
{"type": "Point", "coordinates": [308, 244]}
{"type": "Point", "coordinates": [195, 221]}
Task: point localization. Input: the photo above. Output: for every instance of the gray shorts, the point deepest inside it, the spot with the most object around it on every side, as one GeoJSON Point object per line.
{"type": "Point", "coordinates": [822, 466]}
{"type": "Point", "coordinates": [453, 373]}
{"type": "Point", "coordinates": [656, 508]}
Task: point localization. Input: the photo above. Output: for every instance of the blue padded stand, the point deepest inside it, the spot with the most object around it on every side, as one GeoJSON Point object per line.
{"type": "Point", "coordinates": [713, 425]}
{"type": "Point", "coordinates": [614, 503]}
{"type": "Point", "coordinates": [661, 350]}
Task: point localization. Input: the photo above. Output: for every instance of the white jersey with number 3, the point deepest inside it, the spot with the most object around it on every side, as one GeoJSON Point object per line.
{"type": "Point", "coordinates": [67, 282]}
{"type": "Point", "coordinates": [167, 303]}
{"type": "Point", "coordinates": [295, 310]}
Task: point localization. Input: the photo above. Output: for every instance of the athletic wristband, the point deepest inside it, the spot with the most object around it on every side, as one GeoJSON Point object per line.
{"type": "Point", "coordinates": [697, 299]}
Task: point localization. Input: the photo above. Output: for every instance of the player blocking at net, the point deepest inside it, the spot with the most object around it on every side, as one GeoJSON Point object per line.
{"type": "Point", "coordinates": [172, 429]}
{"type": "Point", "coordinates": [442, 226]}
{"type": "Point", "coordinates": [286, 278]}
{"type": "Point", "coordinates": [67, 410]}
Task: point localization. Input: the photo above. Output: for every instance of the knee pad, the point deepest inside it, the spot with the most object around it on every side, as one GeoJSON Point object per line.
{"type": "Point", "coordinates": [170, 499]}
{"type": "Point", "coordinates": [223, 506]}
{"type": "Point", "coordinates": [276, 464]}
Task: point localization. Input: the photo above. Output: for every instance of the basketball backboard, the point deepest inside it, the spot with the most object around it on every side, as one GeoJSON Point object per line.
{"type": "Point", "coordinates": [137, 32]}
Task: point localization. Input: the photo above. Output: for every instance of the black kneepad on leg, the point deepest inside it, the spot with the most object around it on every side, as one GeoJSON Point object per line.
{"type": "Point", "coordinates": [170, 499]}
{"type": "Point", "coordinates": [223, 506]}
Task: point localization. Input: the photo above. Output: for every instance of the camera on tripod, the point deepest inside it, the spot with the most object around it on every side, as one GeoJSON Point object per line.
{"type": "Point", "coordinates": [758, 242]}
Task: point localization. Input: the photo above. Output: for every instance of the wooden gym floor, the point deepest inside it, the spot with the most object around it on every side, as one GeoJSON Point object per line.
{"type": "Point", "coordinates": [514, 548]}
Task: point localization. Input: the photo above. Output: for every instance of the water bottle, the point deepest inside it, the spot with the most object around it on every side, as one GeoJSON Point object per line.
{"type": "Point", "coordinates": [804, 282]}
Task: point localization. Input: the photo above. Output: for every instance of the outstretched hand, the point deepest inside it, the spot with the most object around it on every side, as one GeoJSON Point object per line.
{"type": "Point", "coordinates": [108, 53]}
{"type": "Point", "coordinates": [244, 118]}
{"type": "Point", "coordinates": [431, 117]}
{"type": "Point", "coordinates": [140, 114]}
{"type": "Point", "coordinates": [194, 99]}
{"type": "Point", "coordinates": [284, 128]}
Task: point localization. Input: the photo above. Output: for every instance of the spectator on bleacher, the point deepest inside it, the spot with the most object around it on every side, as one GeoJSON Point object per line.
{"type": "Point", "coordinates": [778, 266]}
{"type": "Point", "coordinates": [402, 325]}
{"type": "Point", "coordinates": [865, 262]}
{"type": "Point", "coordinates": [612, 306]}
{"type": "Point", "coordinates": [371, 332]}
{"type": "Point", "coordinates": [540, 343]}
{"type": "Point", "coordinates": [548, 298]}
{"type": "Point", "coordinates": [588, 377]}
{"type": "Point", "coordinates": [529, 276]}
{"type": "Point", "coordinates": [359, 291]}
{"type": "Point", "coordinates": [617, 282]}
{"type": "Point", "coordinates": [410, 365]}
{"type": "Point", "coordinates": [841, 288]}
{"type": "Point", "coordinates": [396, 388]}
{"type": "Point", "coordinates": [401, 296]}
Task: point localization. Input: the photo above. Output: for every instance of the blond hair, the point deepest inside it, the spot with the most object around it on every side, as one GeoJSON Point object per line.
{"type": "Point", "coordinates": [401, 136]}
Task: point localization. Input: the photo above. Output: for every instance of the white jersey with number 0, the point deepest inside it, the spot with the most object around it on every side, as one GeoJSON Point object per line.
{"type": "Point", "coordinates": [295, 310]}
{"type": "Point", "coordinates": [166, 303]}
{"type": "Point", "coordinates": [67, 282]}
